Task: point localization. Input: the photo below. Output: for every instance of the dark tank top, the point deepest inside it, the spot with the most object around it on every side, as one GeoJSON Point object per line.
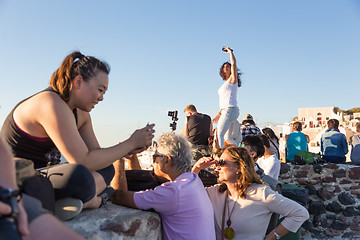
{"type": "Point", "coordinates": [198, 129]}
{"type": "Point", "coordinates": [40, 150]}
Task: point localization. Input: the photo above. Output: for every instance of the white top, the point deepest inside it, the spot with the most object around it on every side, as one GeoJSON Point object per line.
{"type": "Point", "coordinates": [251, 216]}
{"type": "Point", "coordinates": [227, 95]}
{"type": "Point", "coordinates": [270, 165]}
{"type": "Point", "coordinates": [184, 207]}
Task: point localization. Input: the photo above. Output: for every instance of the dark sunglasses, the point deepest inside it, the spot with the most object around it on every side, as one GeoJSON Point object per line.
{"type": "Point", "coordinates": [222, 162]}
{"type": "Point", "coordinates": [157, 155]}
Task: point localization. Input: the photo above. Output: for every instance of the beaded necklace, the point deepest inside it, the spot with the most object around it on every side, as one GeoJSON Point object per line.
{"type": "Point", "coordinates": [229, 232]}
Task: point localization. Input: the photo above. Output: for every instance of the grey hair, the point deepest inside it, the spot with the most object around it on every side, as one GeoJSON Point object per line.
{"type": "Point", "coordinates": [178, 148]}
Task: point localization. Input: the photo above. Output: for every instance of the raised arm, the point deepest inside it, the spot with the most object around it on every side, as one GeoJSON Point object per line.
{"type": "Point", "coordinates": [234, 73]}
{"type": "Point", "coordinates": [202, 163]}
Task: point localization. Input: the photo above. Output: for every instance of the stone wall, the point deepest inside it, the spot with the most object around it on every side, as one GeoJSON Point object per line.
{"type": "Point", "coordinates": [112, 222]}
{"type": "Point", "coordinates": [334, 198]}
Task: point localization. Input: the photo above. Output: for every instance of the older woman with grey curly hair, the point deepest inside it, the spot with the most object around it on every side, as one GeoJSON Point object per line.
{"type": "Point", "coordinates": [182, 202]}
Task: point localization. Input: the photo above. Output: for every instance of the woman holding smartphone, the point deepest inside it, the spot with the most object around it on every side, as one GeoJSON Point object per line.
{"type": "Point", "coordinates": [57, 120]}
{"type": "Point", "coordinates": [229, 110]}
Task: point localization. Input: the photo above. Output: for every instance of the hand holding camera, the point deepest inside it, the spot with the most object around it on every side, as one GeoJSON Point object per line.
{"type": "Point", "coordinates": [174, 118]}
{"type": "Point", "coordinates": [227, 49]}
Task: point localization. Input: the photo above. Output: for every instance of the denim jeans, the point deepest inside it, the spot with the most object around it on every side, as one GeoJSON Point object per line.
{"type": "Point", "coordinates": [227, 119]}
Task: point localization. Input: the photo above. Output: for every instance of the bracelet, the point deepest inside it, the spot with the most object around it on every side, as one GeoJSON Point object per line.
{"type": "Point", "coordinates": [276, 235]}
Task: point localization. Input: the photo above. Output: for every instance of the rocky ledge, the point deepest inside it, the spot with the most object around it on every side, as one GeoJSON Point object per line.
{"type": "Point", "coordinates": [117, 222]}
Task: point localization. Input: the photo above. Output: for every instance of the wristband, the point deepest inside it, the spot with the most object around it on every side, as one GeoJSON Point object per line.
{"type": "Point", "coordinates": [276, 235]}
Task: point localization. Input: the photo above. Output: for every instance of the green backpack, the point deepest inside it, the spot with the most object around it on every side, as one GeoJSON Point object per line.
{"type": "Point", "coordinates": [306, 157]}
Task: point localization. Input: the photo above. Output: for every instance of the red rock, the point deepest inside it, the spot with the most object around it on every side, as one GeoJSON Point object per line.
{"type": "Point", "coordinates": [302, 181]}
{"type": "Point", "coordinates": [345, 181]}
{"type": "Point", "coordinates": [313, 182]}
{"type": "Point", "coordinates": [354, 173]}
{"type": "Point", "coordinates": [328, 179]}
{"type": "Point", "coordinates": [342, 218]}
{"type": "Point", "coordinates": [331, 166]}
{"type": "Point", "coordinates": [355, 192]}
{"type": "Point", "coordinates": [355, 226]}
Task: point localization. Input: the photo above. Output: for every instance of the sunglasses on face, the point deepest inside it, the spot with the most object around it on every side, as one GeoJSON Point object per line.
{"type": "Point", "coordinates": [222, 162]}
{"type": "Point", "coordinates": [156, 156]}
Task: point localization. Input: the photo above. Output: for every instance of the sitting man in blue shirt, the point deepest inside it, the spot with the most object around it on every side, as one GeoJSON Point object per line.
{"type": "Point", "coordinates": [333, 143]}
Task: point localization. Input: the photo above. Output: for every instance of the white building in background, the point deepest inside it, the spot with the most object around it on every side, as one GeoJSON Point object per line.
{"type": "Point", "coordinates": [317, 117]}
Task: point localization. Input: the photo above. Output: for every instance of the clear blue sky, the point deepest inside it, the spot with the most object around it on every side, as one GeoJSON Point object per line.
{"type": "Point", "coordinates": [165, 55]}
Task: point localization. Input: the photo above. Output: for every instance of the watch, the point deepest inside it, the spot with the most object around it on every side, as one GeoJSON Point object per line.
{"type": "Point", "coordinates": [276, 235]}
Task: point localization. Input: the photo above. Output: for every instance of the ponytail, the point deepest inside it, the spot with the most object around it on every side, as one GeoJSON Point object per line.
{"type": "Point", "coordinates": [73, 65]}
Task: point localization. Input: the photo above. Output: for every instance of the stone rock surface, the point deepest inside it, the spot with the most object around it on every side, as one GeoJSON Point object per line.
{"type": "Point", "coordinates": [117, 222]}
{"type": "Point", "coordinates": [316, 208]}
{"type": "Point", "coordinates": [354, 173]}
{"type": "Point", "coordinates": [337, 187]}
{"type": "Point", "coordinates": [333, 207]}
{"type": "Point", "coordinates": [346, 199]}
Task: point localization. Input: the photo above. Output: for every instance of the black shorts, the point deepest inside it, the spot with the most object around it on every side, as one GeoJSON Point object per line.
{"type": "Point", "coordinates": [107, 173]}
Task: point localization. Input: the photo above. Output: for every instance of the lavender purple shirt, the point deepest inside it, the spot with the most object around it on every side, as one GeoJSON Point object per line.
{"type": "Point", "coordinates": [184, 207]}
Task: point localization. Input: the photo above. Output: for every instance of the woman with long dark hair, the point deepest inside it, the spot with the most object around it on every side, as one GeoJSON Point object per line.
{"type": "Point", "coordinates": [229, 110]}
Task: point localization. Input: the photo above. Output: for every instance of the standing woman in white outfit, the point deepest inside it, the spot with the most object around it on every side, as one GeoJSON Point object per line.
{"type": "Point", "coordinates": [229, 110]}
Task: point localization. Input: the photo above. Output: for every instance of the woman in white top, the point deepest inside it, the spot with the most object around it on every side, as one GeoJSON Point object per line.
{"type": "Point", "coordinates": [229, 110]}
{"type": "Point", "coordinates": [243, 205]}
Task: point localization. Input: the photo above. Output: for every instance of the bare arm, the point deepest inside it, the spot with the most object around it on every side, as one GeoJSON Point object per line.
{"type": "Point", "coordinates": [279, 230]}
{"type": "Point", "coordinates": [121, 196]}
{"type": "Point", "coordinates": [234, 73]}
{"type": "Point", "coordinates": [80, 145]}
{"type": "Point", "coordinates": [216, 118]}
{"type": "Point", "coordinates": [133, 162]}
{"type": "Point", "coordinates": [202, 163]}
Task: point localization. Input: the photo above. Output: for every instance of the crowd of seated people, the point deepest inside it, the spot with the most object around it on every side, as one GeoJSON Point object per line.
{"type": "Point", "coordinates": [56, 121]}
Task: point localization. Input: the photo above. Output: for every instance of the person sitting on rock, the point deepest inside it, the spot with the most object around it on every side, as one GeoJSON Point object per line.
{"type": "Point", "coordinates": [57, 121]}
{"type": "Point", "coordinates": [355, 146]}
{"type": "Point", "coordinates": [269, 162]}
{"type": "Point", "coordinates": [333, 143]}
{"type": "Point", "coordinates": [274, 141]}
{"type": "Point", "coordinates": [296, 142]}
{"type": "Point", "coordinates": [182, 203]}
{"type": "Point", "coordinates": [243, 204]}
